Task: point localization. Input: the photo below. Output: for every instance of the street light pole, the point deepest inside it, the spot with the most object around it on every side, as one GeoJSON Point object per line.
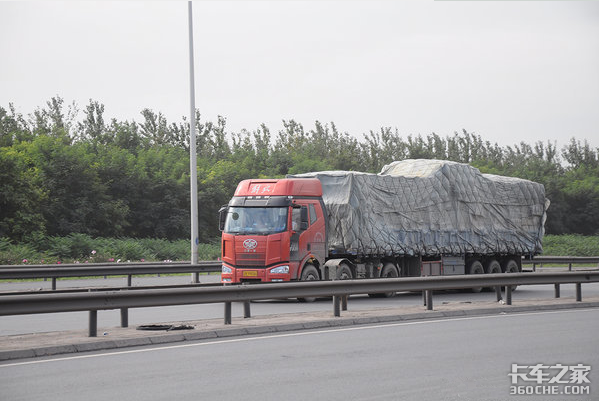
{"type": "Point", "coordinates": [193, 162]}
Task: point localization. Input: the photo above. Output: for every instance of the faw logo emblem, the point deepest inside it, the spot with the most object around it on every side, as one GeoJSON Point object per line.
{"type": "Point", "coordinates": [250, 244]}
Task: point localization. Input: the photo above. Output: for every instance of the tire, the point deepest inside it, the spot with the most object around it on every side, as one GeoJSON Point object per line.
{"type": "Point", "coordinates": [309, 273]}
{"type": "Point", "coordinates": [476, 267]}
{"type": "Point", "coordinates": [389, 271]}
{"type": "Point", "coordinates": [511, 266]}
{"type": "Point", "coordinates": [344, 272]}
{"type": "Point", "coordinates": [492, 267]}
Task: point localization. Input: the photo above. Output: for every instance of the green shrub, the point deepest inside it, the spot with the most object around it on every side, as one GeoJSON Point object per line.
{"type": "Point", "coordinates": [131, 249]}
{"type": "Point", "coordinates": [81, 245]}
{"type": "Point", "coordinates": [15, 254]}
{"type": "Point", "coordinates": [208, 251]}
{"type": "Point", "coordinates": [73, 246]}
{"type": "Point", "coordinates": [4, 243]}
{"type": "Point", "coordinates": [60, 247]}
{"type": "Point", "coordinates": [167, 250]}
{"type": "Point", "coordinates": [571, 245]}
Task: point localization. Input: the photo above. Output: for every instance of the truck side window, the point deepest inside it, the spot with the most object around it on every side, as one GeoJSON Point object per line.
{"type": "Point", "coordinates": [313, 216]}
{"type": "Point", "coordinates": [296, 219]}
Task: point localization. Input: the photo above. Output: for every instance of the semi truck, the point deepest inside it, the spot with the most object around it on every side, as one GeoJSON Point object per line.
{"type": "Point", "coordinates": [416, 217]}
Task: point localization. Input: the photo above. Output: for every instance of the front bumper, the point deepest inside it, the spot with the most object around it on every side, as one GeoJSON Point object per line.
{"type": "Point", "coordinates": [231, 274]}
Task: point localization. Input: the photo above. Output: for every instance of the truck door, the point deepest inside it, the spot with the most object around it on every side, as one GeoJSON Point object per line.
{"type": "Point", "coordinates": [299, 226]}
{"type": "Point", "coordinates": [309, 232]}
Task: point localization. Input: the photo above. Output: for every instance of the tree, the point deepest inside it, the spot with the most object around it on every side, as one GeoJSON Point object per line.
{"type": "Point", "coordinates": [128, 178]}
{"type": "Point", "coordinates": [21, 195]}
{"type": "Point", "coordinates": [13, 127]}
{"type": "Point", "coordinates": [93, 129]}
{"type": "Point", "coordinates": [77, 200]}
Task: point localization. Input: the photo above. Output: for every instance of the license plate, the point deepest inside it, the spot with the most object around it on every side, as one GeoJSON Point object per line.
{"type": "Point", "coordinates": [250, 273]}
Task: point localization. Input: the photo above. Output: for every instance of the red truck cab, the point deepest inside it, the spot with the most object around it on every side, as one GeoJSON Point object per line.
{"type": "Point", "coordinates": [271, 229]}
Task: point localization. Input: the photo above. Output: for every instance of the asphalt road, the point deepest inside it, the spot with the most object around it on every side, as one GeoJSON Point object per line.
{"type": "Point", "coordinates": [450, 359]}
{"type": "Point", "coordinates": [10, 325]}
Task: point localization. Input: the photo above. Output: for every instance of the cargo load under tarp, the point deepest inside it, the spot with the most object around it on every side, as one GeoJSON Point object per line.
{"type": "Point", "coordinates": [431, 207]}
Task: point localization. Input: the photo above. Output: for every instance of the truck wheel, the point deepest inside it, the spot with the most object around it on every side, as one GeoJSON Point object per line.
{"type": "Point", "coordinates": [511, 266]}
{"type": "Point", "coordinates": [389, 271]}
{"type": "Point", "coordinates": [476, 268]}
{"type": "Point", "coordinates": [492, 267]}
{"type": "Point", "coordinates": [344, 272]}
{"type": "Point", "coordinates": [309, 274]}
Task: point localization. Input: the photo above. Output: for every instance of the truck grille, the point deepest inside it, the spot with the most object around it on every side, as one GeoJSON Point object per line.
{"type": "Point", "coordinates": [252, 259]}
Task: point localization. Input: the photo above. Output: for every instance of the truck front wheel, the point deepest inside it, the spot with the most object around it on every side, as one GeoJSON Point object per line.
{"type": "Point", "coordinates": [309, 274]}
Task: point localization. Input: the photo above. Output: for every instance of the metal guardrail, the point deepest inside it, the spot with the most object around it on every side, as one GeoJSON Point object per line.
{"type": "Point", "coordinates": [105, 300]}
{"type": "Point", "coordinates": [562, 259]}
{"type": "Point", "coordinates": [55, 271]}
{"type": "Point", "coordinates": [100, 269]}
{"type": "Point", "coordinates": [565, 260]}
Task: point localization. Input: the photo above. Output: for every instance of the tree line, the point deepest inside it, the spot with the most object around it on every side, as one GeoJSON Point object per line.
{"type": "Point", "coordinates": [107, 178]}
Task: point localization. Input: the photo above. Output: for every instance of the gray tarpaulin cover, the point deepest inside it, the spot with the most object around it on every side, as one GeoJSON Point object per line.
{"type": "Point", "coordinates": [432, 207]}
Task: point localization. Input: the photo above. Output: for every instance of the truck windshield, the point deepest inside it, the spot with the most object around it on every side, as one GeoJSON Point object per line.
{"type": "Point", "coordinates": [256, 220]}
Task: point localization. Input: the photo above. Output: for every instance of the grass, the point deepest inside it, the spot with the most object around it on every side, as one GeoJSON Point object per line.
{"type": "Point", "coordinates": [81, 248]}
{"type": "Point", "coordinates": [571, 245]}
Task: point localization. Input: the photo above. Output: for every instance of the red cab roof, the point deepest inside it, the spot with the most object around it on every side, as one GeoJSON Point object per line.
{"type": "Point", "coordinates": [282, 187]}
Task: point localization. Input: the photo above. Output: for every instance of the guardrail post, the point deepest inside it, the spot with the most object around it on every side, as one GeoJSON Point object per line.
{"type": "Point", "coordinates": [337, 305]}
{"type": "Point", "coordinates": [534, 267]}
{"type": "Point", "coordinates": [124, 317]}
{"type": "Point", "coordinates": [578, 292]}
{"type": "Point", "coordinates": [423, 298]}
{"type": "Point", "coordinates": [125, 311]}
{"type": "Point", "coordinates": [570, 266]}
{"type": "Point", "coordinates": [246, 310]}
{"type": "Point", "coordinates": [53, 283]}
{"type": "Point", "coordinates": [557, 292]}
{"type": "Point", "coordinates": [429, 300]}
{"type": "Point", "coordinates": [228, 313]}
{"type": "Point", "coordinates": [498, 293]}
{"type": "Point", "coordinates": [508, 294]}
{"type": "Point", "coordinates": [93, 323]}
{"type": "Point", "coordinates": [195, 278]}
{"type": "Point", "coordinates": [344, 302]}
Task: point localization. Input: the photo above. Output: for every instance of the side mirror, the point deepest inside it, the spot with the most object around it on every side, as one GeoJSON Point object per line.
{"type": "Point", "coordinates": [222, 216]}
{"type": "Point", "coordinates": [304, 218]}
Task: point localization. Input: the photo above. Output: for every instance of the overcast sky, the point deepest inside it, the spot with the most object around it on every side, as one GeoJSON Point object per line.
{"type": "Point", "coordinates": [509, 71]}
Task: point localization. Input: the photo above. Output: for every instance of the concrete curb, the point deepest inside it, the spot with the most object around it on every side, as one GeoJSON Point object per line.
{"type": "Point", "coordinates": [312, 321]}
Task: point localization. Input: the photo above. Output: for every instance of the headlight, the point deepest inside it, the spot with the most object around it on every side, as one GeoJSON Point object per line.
{"type": "Point", "coordinates": [280, 270]}
{"type": "Point", "coordinates": [227, 270]}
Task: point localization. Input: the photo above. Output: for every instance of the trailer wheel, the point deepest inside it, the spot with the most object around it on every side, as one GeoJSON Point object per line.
{"type": "Point", "coordinates": [390, 271]}
{"type": "Point", "coordinates": [309, 274]}
{"type": "Point", "coordinates": [511, 266]}
{"type": "Point", "coordinates": [476, 267]}
{"type": "Point", "coordinates": [492, 267]}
